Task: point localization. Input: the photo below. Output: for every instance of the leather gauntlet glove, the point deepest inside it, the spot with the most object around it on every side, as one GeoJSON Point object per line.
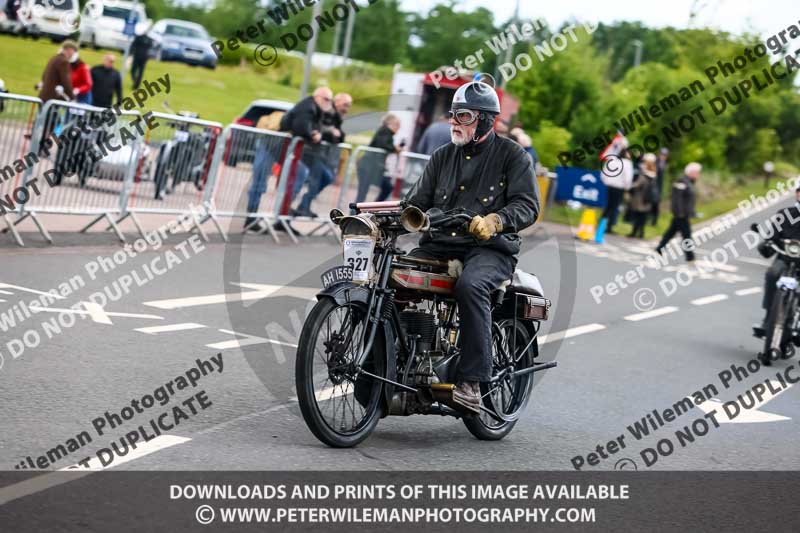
{"type": "Point", "coordinates": [484, 227]}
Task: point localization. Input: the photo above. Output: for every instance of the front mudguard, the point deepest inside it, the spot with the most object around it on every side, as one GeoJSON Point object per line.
{"type": "Point", "coordinates": [354, 294]}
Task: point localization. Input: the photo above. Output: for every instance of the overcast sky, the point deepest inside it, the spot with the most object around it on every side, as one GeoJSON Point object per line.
{"type": "Point", "coordinates": [764, 17]}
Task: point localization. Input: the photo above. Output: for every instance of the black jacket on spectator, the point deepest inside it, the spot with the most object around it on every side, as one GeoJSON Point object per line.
{"type": "Point", "coordinates": [106, 83]}
{"type": "Point", "coordinates": [328, 122]}
{"type": "Point", "coordinates": [384, 139]}
{"type": "Point", "coordinates": [140, 47]}
{"type": "Point", "coordinates": [303, 118]}
{"type": "Point", "coordinates": [495, 176]}
{"type": "Point", "coordinates": [683, 198]}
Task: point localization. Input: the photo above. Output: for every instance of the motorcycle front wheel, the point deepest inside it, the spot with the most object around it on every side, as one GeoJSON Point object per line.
{"type": "Point", "coordinates": [509, 395]}
{"type": "Point", "coordinates": [340, 407]}
{"type": "Point", "coordinates": [777, 334]}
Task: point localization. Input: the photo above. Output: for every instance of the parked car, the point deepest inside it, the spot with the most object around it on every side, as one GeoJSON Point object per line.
{"type": "Point", "coordinates": [186, 42]}
{"type": "Point", "coordinates": [103, 23]}
{"type": "Point", "coordinates": [250, 117]}
{"type": "Point", "coordinates": [55, 19]}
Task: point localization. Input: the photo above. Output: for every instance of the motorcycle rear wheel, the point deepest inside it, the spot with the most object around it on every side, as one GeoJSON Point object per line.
{"type": "Point", "coordinates": [341, 410]}
{"type": "Point", "coordinates": [511, 397]}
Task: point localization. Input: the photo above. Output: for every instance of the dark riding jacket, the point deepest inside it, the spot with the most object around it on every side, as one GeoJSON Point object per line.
{"type": "Point", "coordinates": [495, 176]}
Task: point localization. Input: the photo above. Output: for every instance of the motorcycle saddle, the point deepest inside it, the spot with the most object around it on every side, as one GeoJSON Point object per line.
{"type": "Point", "coordinates": [521, 281]}
{"type": "Point", "coordinates": [526, 283]}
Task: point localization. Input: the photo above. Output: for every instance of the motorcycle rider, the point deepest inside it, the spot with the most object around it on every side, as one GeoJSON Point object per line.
{"type": "Point", "coordinates": [493, 177]}
{"type": "Point", "coordinates": [785, 224]}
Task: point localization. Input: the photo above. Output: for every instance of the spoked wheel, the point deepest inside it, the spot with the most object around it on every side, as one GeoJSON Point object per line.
{"type": "Point", "coordinates": [340, 408]}
{"type": "Point", "coordinates": [507, 396]}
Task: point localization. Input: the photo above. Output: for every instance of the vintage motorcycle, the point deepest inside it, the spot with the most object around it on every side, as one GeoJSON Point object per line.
{"type": "Point", "coordinates": [383, 337]}
{"type": "Point", "coordinates": [781, 331]}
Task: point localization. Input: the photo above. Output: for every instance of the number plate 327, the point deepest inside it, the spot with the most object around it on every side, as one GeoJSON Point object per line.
{"type": "Point", "coordinates": [358, 256]}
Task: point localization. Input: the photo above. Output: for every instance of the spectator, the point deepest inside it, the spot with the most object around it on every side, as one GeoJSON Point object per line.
{"type": "Point", "coordinates": [641, 200]}
{"type": "Point", "coordinates": [322, 172]}
{"type": "Point", "coordinates": [304, 120]}
{"type": "Point", "coordinates": [58, 73]}
{"type": "Point", "coordinates": [372, 164]}
{"type": "Point", "coordinates": [106, 83]}
{"type": "Point", "coordinates": [661, 165]}
{"type": "Point", "coordinates": [519, 136]}
{"type": "Point", "coordinates": [683, 201]}
{"type": "Point", "coordinates": [263, 161]}
{"type": "Point", "coordinates": [81, 80]}
{"type": "Point", "coordinates": [618, 177]}
{"type": "Point", "coordinates": [140, 50]}
{"type": "Point", "coordinates": [437, 135]}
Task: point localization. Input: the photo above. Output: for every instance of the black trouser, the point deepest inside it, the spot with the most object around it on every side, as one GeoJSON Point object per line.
{"type": "Point", "coordinates": [612, 206]}
{"type": "Point", "coordinates": [137, 71]}
{"type": "Point", "coordinates": [771, 278]}
{"type": "Point", "coordinates": [682, 225]}
{"type": "Point", "coordinates": [639, 221]}
{"type": "Point", "coordinates": [654, 213]}
{"type": "Point", "coordinates": [485, 270]}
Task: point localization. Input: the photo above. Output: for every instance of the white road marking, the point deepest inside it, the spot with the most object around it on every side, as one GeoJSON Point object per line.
{"type": "Point", "coordinates": [756, 261]}
{"type": "Point", "coordinates": [745, 292]}
{"type": "Point", "coordinates": [258, 292]}
{"type": "Point", "coordinates": [7, 293]}
{"type": "Point", "coordinates": [650, 314]}
{"type": "Point", "coordinates": [34, 291]}
{"type": "Point", "coordinates": [1, 300]}
{"type": "Point", "coordinates": [65, 475]}
{"type": "Point", "coordinates": [752, 415]}
{"type": "Point", "coordinates": [95, 316]}
{"type": "Point", "coordinates": [248, 340]}
{"type": "Point", "coordinates": [153, 330]}
{"type": "Point", "coordinates": [640, 250]}
{"type": "Point", "coordinates": [709, 299]}
{"type": "Point", "coordinates": [571, 332]}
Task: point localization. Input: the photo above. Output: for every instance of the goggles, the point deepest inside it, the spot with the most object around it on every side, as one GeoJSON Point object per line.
{"type": "Point", "coordinates": [465, 117]}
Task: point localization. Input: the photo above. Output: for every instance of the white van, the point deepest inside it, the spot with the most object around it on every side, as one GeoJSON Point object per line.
{"type": "Point", "coordinates": [103, 23]}
{"type": "Point", "coordinates": [57, 19]}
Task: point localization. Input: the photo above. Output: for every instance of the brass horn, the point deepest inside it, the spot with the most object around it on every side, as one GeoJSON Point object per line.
{"type": "Point", "coordinates": [414, 220]}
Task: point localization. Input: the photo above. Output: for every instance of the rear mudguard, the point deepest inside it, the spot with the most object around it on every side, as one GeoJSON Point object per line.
{"type": "Point", "coordinates": [344, 293]}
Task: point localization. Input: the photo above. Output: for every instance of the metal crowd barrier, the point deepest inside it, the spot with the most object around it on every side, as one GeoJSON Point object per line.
{"type": "Point", "coordinates": [181, 163]}
{"type": "Point", "coordinates": [408, 169]}
{"type": "Point", "coordinates": [392, 174]}
{"type": "Point", "coordinates": [69, 180]}
{"type": "Point", "coordinates": [172, 167]}
{"type": "Point", "coordinates": [17, 118]}
{"type": "Point", "coordinates": [245, 163]}
{"type": "Point", "coordinates": [310, 171]}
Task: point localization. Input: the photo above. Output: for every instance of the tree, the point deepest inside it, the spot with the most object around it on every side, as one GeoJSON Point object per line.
{"type": "Point", "coordinates": [445, 35]}
{"type": "Point", "coordinates": [381, 34]}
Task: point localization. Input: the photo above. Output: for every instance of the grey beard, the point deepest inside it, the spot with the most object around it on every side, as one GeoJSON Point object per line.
{"type": "Point", "coordinates": [458, 141]}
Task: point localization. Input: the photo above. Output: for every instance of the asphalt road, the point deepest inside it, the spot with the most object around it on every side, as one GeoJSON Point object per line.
{"type": "Point", "coordinates": [642, 349]}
